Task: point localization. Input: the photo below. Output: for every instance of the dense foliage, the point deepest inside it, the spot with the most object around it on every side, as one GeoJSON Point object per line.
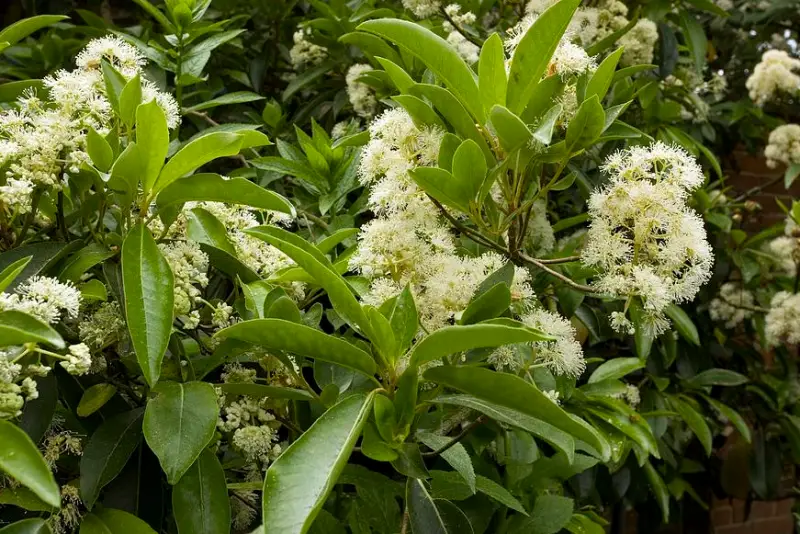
{"type": "Point", "coordinates": [388, 267]}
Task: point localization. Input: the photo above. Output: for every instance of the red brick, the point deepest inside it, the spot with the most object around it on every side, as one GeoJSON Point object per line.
{"type": "Point", "coordinates": [774, 525]}
{"type": "Point", "coordinates": [744, 528]}
{"type": "Point", "coordinates": [762, 509]}
{"type": "Point", "coordinates": [784, 507]}
{"type": "Point", "coordinates": [721, 515]}
{"type": "Point", "coordinates": [738, 510]}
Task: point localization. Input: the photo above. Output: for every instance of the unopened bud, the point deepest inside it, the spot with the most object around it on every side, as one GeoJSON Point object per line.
{"type": "Point", "coordinates": [752, 205]}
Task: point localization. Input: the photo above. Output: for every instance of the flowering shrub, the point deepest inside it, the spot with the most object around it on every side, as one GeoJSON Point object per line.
{"type": "Point", "coordinates": [482, 273]}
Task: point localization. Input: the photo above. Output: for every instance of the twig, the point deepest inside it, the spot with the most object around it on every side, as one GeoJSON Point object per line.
{"type": "Point", "coordinates": [757, 189]}
{"type": "Point", "coordinates": [554, 261]}
{"type": "Point", "coordinates": [567, 280]}
{"type": "Point", "coordinates": [477, 422]}
{"type": "Point", "coordinates": [476, 236]}
{"type": "Point", "coordinates": [458, 28]}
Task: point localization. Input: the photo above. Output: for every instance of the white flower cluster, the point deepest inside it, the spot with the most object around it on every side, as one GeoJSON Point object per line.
{"type": "Point", "coordinates": [43, 297]}
{"type": "Point", "coordinates": [103, 327]}
{"type": "Point", "coordinates": [467, 50]}
{"type": "Point", "coordinates": [732, 306]}
{"type": "Point", "coordinates": [782, 323]}
{"type": "Point", "coordinates": [422, 9]}
{"type": "Point", "coordinates": [408, 242]}
{"type": "Point", "coordinates": [569, 58]}
{"type": "Point", "coordinates": [16, 384]}
{"type": "Point", "coordinates": [305, 53]}
{"type": "Point", "coordinates": [774, 76]}
{"type": "Point", "coordinates": [783, 146]}
{"type": "Point", "coordinates": [78, 360]}
{"type": "Point", "coordinates": [786, 248]}
{"type": "Point", "coordinates": [189, 266]}
{"type": "Point", "coordinates": [42, 142]}
{"type": "Point", "coordinates": [563, 356]}
{"type": "Point", "coordinates": [643, 238]}
{"type": "Point", "coordinates": [361, 95]}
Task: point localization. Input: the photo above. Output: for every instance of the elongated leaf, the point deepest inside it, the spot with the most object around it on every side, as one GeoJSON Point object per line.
{"type": "Point", "coordinates": [534, 51]}
{"type": "Point", "coordinates": [718, 377]}
{"type": "Point", "coordinates": [561, 441]}
{"type": "Point", "coordinates": [196, 154]}
{"type": "Point", "coordinates": [17, 328]}
{"type": "Point", "coordinates": [659, 489]}
{"type": "Point", "coordinates": [10, 273]}
{"type": "Point", "coordinates": [437, 54]}
{"type": "Point", "coordinates": [733, 416]}
{"type": "Point", "coordinates": [442, 186]}
{"type": "Point", "coordinates": [152, 142]}
{"type": "Point", "coordinates": [23, 28]}
{"type": "Point", "coordinates": [513, 392]}
{"type": "Point", "coordinates": [108, 451]}
{"type": "Point", "coordinates": [83, 260]}
{"type": "Point", "coordinates": [298, 482]}
{"type": "Point", "coordinates": [586, 126]}
{"type": "Point", "coordinates": [129, 100]}
{"type": "Point", "coordinates": [111, 521]}
{"type": "Point", "coordinates": [683, 324]}
{"type": "Point", "coordinates": [492, 303]}
{"type": "Point", "coordinates": [454, 339]}
{"type": "Point", "coordinates": [615, 368]}
{"type": "Point", "coordinates": [400, 78]}
{"type": "Point", "coordinates": [423, 515]}
{"type": "Point", "coordinates": [236, 97]}
{"type": "Point", "coordinates": [178, 424]}
{"type": "Point", "coordinates": [204, 228]}
{"type": "Point", "coordinates": [215, 188]}
{"type": "Point", "coordinates": [601, 79]}
{"type": "Point", "coordinates": [278, 334]}
{"type": "Point", "coordinates": [43, 257]}
{"type": "Point", "coordinates": [148, 285]}
{"type": "Point", "coordinates": [258, 391]}
{"type": "Point", "coordinates": [544, 132]}
{"type": "Point", "coordinates": [694, 421]}
{"type": "Point", "coordinates": [200, 500]}
{"type": "Point", "coordinates": [22, 461]}
{"type": "Point", "coordinates": [499, 493]}
{"type": "Point", "coordinates": [27, 526]}
{"type": "Point", "coordinates": [550, 514]}
{"type": "Point", "coordinates": [99, 150]}
{"type": "Point", "coordinates": [371, 45]}
{"type": "Point", "coordinates": [420, 111]}
{"type": "Point", "coordinates": [94, 398]}
{"type": "Point", "coordinates": [513, 133]}
{"type": "Point", "coordinates": [456, 456]}
{"type": "Point", "coordinates": [492, 77]}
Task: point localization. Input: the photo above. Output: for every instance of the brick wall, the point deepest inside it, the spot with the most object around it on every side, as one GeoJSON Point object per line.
{"type": "Point", "coordinates": [730, 516]}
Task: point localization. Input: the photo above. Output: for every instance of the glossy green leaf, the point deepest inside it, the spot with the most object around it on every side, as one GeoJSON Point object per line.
{"type": "Point", "coordinates": [148, 285]}
{"type": "Point", "coordinates": [278, 334]}
{"type": "Point", "coordinates": [733, 416]}
{"type": "Point", "coordinates": [111, 521]}
{"type": "Point", "coordinates": [423, 515]}
{"type": "Point", "coordinates": [615, 368]}
{"type": "Point", "coordinates": [129, 100]}
{"type": "Point", "coordinates": [454, 339]}
{"type": "Point", "coordinates": [550, 514]}
{"type": "Point", "coordinates": [83, 260]}
{"type": "Point", "coordinates": [513, 133]}
{"type": "Point", "coordinates": [442, 186]}
{"type": "Point", "coordinates": [644, 335]}
{"type": "Point", "coordinates": [695, 36]}
{"type": "Point", "coordinates": [436, 53]}
{"type": "Point", "coordinates": [99, 150]}
{"type": "Point", "coordinates": [22, 461]}
{"type": "Point", "coordinates": [544, 131]}
{"type": "Point", "coordinates": [260, 391]}
{"type": "Point", "coordinates": [197, 153]}
{"type": "Point", "coordinates": [21, 29]}
{"type": "Point", "coordinates": [499, 493]}
{"type": "Point", "coordinates": [586, 126]}
{"type": "Point", "coordinates": [235, 97]}
{"type": "Point", "coordinates": [457, 455]}
{"type": "Point", "coordinates": [152, 142]}
{"type": "Point", "coordinates": [18, 328]}
{"type": "Point", "coordinates": [533, 53]}
{"type": "Point", "coordinates": [422, 114]}
{"type": "Point", "coordinates": [492, 76]}
{"type": "Point", "coordinates": [200, 499]}
{"type": "Point", "coordinates": [659, 489]}
{"type": "Point", "coordinates": [372, 45]}
{"type": "Point", "coordinates": [107, 452]}
{"type": "Point", "coordinates": [298, 482]}
{"type": "Point", "coordinates": [510, 391]}
{"type": "Point", "coordinates": [27, 526]}
{"type": "Point", "coordinates": [469, 168]}
{"type": "Point", "coordinates": [400, 78]}
{"type": "Point", "coordinates": [404, 319]}
{"type": "Point", "coordinates": [488, 305]}
{"type": "Point", "coordinates": [10, 273]}
{"type": "Point", "coordinates": [695, 422]}
{"type": "Point", "coordinates": [683, 324]}
{"type": "Point", "coordinates": [178, 424]}
{"type": "Point", "coordinates": [718, 377]}
{"type": "Point", "coordinates": [204, 228]}
{"type": "Point", "coordinates": [601, 79]}
{"type": "Point", "coordinates": [215, 188]}
{"type": "Point", "coordinates": [95, 398]}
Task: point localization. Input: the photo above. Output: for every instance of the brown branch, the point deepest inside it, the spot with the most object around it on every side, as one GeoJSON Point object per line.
{"type": "Point", "coordinates": [477, 422]}
{"type": "Point", "coordinates": [567, 280]}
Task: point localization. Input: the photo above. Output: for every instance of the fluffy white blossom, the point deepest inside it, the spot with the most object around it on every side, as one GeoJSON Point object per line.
{"type": "Point", "coordinates": [119, 53]}
{"type": "Point", "coordinates": [258, 443]}
{"type": "Point", "coordinates": [776, 75]}
{"type": "Point", "coordinates": [568, 58]}
{"type": "Point", "coordinates": [361, 95]}
{"type": "Point", "coordinates": [782, 323]}
{"type": "Point", "coordinates": [78, 360]}
{"type": "Point", "coordinates": [43, 297]}
{"type": "Point", "coordinates": [189, 267]}
{"type": "Point", "coordinates": [643, 238]}
{"type": "Point", "coordinates": [563, 356]}
{"type": "Point", "coordinates": [639, 43]}
{"type": "Point", "coordinates": [422, 8]}
{"type": "Point", "coordinates": [786, 252]}
{"type": "Point", "coordinates": [732, 306]}
{"type": "Point", "coordinates": [783, 146]}
{"type": "Point", "coordinates": [305, 53]}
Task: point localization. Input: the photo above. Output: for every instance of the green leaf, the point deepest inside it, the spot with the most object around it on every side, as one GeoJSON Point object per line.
{"type": "Point", "coordinates": [513, 392]}
{"type": "Point", "coordinates": [178, 424]}
{"type": "Point", "coordinates": [437, 54]}
{"type": "Point", "coordinates": [94, 398]}
{"type": "Point", "coordinates": [204, 228]}
{"type": "Point", "coordinates": [792, 172]}
{"type": "Point", "coordinates": [423, 515]}
{"type": "Point", "coordinates": [544, 132]}
{"type": "Point", "coordinates": [561, 441]}
{"type": "Point", "coordinates": [152, 142]}
{"type": "Point", "coordinates": [456, 456]}
{"type": "Point", "coordinates": [215, 188]}
{"type": "Point", "coordinates": [659, 489]}
{"type": "Point", "coordinates": [499, 493]}
{"type": "Point", "coordinates": [550, 514]}
{"type": "Point", "coordinates": [148, 286]}
{"type": "Point", "coordinates": [197, 153]}
{"type": "Point", "coordinates": [420, 111]}
{"type": "Point", "coordinates": [615, 368]}
{"type": "Point", "coordinates": [513, 133]}
{"type": "Point", "coordinates": [400, 78]}
{"type": "Point", "coordinates": [23, 28]}
{"type": "Point", "coordinates": [111, 521]}
{"type": "Point", "coordinates": [372, 45]}
{"type": "Point", "coordinates": [488, 305]}
{"type": "Point", "coordinates": [99, 150]}
{"type": "Point", "coordinates": [10, 273]}
{"type": "Point", "coordinates": [83, 260]}
{"type": "Point", "coordinates": [329, 243]}
{"type": "Point", "coordinates": [644, 335]}
{"type": "Point", "coordinates": [492, 77]}
{"type": "Point", "coordinates": [22, 497]}
{"type": "Point", "coordinates": [718, 377]}
{"type": "Point", "coordinates": [695, 422]}
{"type": "Point", "coordinates": [733, 416]}
{"type": "Point", "coordinates": [305, 78]}
{"type": "Point", "coordinates": [278, 334]}
{"type": "Point", "coordinates": [10, 91]}
{"type": "Point", "coordinates": [298, 482]}
{"type": "Point", "coordinates": [236, 97]}
{"type": "Point", "coordinates": [442, 186]}
{"type": "Point", "coordinates": [260, 391]}
{"type": "Point", "coordinates": [125, 174]}
{"type": "Point", "coordinates": [200, 499]}
{"type": "Point", "coordinates": [586, 126]}
{"type": "Point", "coordinates": [22, 461]}
{"type": "Point", "coordinates": [454, 339]}
{"type": "Point", "coordinates": [107, 452]}
{"type": "Point", "coordinates": [601, 79]}
{"type": "Point", "coordinates": [469, 168]}
{"type": "Point", "coordinates": [27, 526]}
{"type": "Point", "coordinates": [534, 51]}
{"type": "Point", "coordinates": [18, 328]}
{"type": "Point", "coordinates": [129, 100]}
{"type": "Point", "coordinates": [683, 324]}
{"type": "Point", "coordinates": [695, 37]}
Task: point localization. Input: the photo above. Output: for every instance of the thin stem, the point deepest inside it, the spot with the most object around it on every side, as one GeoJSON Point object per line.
{"type": "Point", "coordinates": [548, 270]}
{"type": "Point", "coordinates": [477, 422]}
{"type": "Point", "coordinates": [555, 261]}
{"type": "Point", "coordinates": [467, 36]}
{"type": "Point", "coordinates": [757, 189]}
{"type": "Point", "coordinates": [476, 236]}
